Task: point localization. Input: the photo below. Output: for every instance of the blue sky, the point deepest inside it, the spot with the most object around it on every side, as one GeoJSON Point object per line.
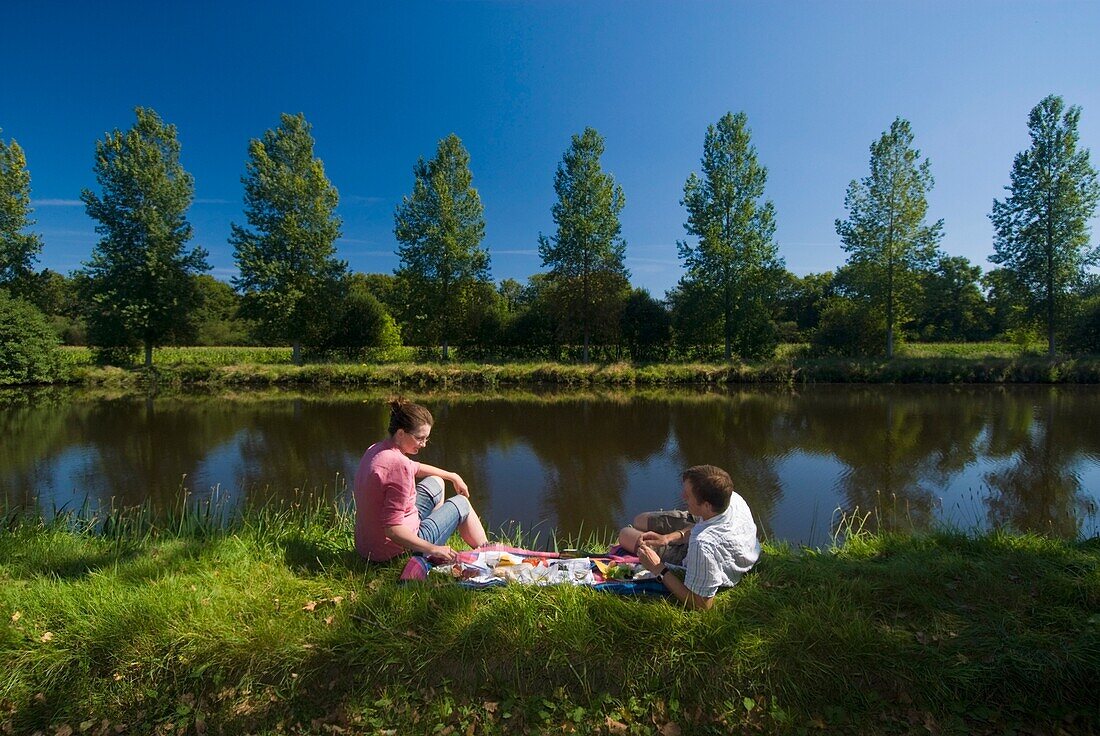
{"type": "Point", "coordinates": [381, 83]}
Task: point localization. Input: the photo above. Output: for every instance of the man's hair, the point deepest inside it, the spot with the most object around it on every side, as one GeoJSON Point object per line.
{"type": "Point", "coordinates": [711, 484]}
{"type": "Point", "coordinates": [408, 416]}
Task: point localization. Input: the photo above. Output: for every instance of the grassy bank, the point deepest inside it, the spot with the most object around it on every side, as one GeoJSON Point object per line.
{"type": "Point", "coordinates": [270, 367]}
{"type": "Point", "coordinates": [273, 625]}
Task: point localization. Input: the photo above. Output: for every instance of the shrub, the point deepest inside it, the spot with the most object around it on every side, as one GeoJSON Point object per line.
{"type": "Point", "coordinates": [848, 328]}
{"type": "Point", "coordinates": [1083, 332]}
{"type": "Point", "coordinates": [28, 343]}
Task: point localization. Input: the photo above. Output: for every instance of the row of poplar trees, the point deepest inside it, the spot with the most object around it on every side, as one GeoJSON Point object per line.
{"type": "Point", "coordinates": [140, 281]}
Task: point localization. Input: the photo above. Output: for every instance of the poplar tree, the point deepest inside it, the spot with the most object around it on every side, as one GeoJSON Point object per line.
{"type": "Point", "coordinates": [439, 229]}
{"type": "Point", "coordinates": [290, 278]}
{"type": "Point", "coordinates": [585, 254]}
{"type": "Point", "coordinates": [140, 280]}
{"type": "Point", "coordinates": [19, 249]}
{"type": "Point", "coordinates": [735, 266]}
{"type": "Point", "coordinates": [885, 234]}
{"type": "Point", "coordinates": [1041, 228]}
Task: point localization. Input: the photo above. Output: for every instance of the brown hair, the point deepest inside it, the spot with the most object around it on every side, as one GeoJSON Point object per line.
{"type": "Point", "coordinates": [711, 484]}
{"type": "Point", "coordinates": [407, 415]}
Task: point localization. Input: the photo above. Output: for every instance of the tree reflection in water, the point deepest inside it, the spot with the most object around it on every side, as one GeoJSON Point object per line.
{"type": "Point", "coordinates": [571, 462]}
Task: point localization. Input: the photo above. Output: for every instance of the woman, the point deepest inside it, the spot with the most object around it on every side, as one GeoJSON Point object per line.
{"type": "Point", "coordinates": [393, 512]}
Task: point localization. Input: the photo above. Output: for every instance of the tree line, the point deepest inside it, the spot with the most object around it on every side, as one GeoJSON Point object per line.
{"type": "Point", "coordinates": [145, 286]}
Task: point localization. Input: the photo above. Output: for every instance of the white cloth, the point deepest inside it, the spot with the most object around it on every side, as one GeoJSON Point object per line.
{"type": "Point", "coordinates": [721, 549]}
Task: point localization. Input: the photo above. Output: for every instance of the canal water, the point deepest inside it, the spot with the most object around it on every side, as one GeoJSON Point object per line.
{"type": "Point", "coordinates": [902, 457]}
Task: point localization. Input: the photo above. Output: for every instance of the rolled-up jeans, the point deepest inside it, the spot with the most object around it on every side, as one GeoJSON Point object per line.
{"type": "Point", "coordinates": [438, 524]}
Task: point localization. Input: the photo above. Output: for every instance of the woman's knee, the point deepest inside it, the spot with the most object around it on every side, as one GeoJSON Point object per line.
{"type": "Point", "coordinates": [433, 487]}
{"type": "Point", "coordinates": [463, 505]}
{"type": "Point", "coordinates": [641, 522]}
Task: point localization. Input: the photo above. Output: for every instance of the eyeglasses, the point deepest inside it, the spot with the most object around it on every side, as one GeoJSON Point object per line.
{"type": "Point", "coordinates": [422, 441]}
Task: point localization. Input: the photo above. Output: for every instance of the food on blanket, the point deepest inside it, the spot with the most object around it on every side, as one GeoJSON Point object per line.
{"type": "Point", "coordinates": [512, 572]}
{"type": "Point", "coordinates": [534, 561]}
{"type": "Point", "coordinates": [622, 571]}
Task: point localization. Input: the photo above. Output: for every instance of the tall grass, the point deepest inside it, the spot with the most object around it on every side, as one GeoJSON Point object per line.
{"type": "Point", "coordinates": [271, 623]}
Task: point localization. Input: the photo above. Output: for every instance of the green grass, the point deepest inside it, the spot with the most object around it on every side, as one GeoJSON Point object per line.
{"type": "Point", "coordinates": [271, 624]}
{"type": "Point", "coordinates": [270, 367]}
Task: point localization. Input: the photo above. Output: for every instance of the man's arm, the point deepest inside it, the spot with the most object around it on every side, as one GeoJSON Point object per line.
{"type": "Point", "coordinates": [689, 598]}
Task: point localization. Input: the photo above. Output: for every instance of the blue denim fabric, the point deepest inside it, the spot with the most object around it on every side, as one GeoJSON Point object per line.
{"type": "Point", "coordinates": [438, 524]}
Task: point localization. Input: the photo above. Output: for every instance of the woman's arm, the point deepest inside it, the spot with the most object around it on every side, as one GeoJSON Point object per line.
{"type": "Point", "coordinates": [455, 479]}
{"type": "Point", "coordinates": [408, 539]}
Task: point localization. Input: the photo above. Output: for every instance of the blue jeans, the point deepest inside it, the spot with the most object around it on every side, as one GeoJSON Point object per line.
{"type": "Point", "coordinates": [438, 524]}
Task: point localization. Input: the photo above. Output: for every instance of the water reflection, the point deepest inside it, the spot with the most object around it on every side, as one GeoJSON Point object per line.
{"type": "Point", "coordinates": [1022, 457]}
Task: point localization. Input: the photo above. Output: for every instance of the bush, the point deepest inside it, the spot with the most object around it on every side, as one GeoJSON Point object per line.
{"type": "Point", "coordinates": [849, 329]}
{"type": "Point", "coordinates": [28, 343]}
{"type": "Point", "coordinates": [1083, 332]}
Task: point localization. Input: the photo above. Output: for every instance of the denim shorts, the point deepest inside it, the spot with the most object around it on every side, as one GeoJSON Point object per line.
{"type": "Point", "coordinates": [438, 524]}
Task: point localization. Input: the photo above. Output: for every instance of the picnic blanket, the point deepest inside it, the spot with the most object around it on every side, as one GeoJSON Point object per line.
{"type": "Point", "coordinates": [495, 565]}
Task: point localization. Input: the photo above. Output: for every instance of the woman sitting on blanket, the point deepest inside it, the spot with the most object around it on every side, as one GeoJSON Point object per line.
{"type": "Point", "coordinates": [394, 512]}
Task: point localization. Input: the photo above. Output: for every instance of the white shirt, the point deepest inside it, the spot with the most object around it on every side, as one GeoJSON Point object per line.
{"type": "Point", "coordinates": [721, 549]}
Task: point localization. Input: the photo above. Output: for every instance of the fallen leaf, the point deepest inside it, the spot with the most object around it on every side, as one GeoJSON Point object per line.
{"type": "Point", "coordinates": [490, 706]}
{"type": "Point", "coordinates": [311, 606]}
{"type": "Point", "coordinates": [338, 599]}
{"type": "Point", "coordinates": [48, 636]}
{"type": "Point", "coordinates": [86, 725]}
{"type": "Point", "coordinates": [16, 616]}
{"type": "Point", "coordinates": [64, 730]}
{"type": "Point", "coordinates": [615, 726]}
{"type": "Point", "coordinates": [329, 620]}
{"type": "Point", "coordinates": [670, 729]}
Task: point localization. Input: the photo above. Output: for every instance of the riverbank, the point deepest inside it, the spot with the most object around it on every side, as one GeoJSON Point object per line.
{"type": "Point", "coordinates": [273, 625]}
{"type": "Point", "coordinates": [269, 367]}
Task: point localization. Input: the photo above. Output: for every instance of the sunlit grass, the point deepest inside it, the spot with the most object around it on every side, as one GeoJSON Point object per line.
{"type": "Point", "coordinates": [271, 619]}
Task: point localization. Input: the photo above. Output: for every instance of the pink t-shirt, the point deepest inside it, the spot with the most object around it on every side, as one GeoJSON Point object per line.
{"type": "Point", "coordinates": [385, 495]}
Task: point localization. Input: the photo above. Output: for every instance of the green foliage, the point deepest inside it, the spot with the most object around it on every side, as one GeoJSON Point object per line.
{"type": "Point", "coordinates": [217, 318]}
{"type": "Point", "coordinates": [848, 328]}
{"type": "Point", "coordinates": [1042, 232]}
{"type": "Point", "coordinates": [646, 326]}
{"type": "Point", "coordinates": [952, 306]}
{"type": "Point", "coordinates": [1083, 333]}
{"type": "Point", "coordinates": [138, 286]}
{"type": "Point", "coordinates": [18, 248]}
{"type": "Point", "coordinates": [439, 229]}
{"type": "Point", "coordinates": [28, 345]}
{"type": "Point", "coordinates": [735, 268]}
{"type": "Point", "coordinates": [289, 274]}
{"type": "Point", "coordinates": [587, 279]}
{"type": "Point", "coordinates": [361, 320]}
{"type": "Point", "coordinates": [885, 234]}
{"type": "Point", "coordinates": [801, 300]}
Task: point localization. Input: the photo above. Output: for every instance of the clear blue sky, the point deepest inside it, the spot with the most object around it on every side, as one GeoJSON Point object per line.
{"type": "Point", "coordinates": [381, 83]}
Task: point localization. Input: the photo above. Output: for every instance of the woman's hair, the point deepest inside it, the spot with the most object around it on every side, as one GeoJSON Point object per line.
{"type": "Point", "coordinates": [407, 415]}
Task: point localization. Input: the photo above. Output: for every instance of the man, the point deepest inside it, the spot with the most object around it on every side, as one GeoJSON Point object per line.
{"type": "Point", "coordinates": [714, 540]}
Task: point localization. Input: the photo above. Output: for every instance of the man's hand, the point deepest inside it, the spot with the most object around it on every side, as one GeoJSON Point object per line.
{"type": "Point", "coordinates": [658, 539]}
{"type": "Point", "coordinates": [648, 557]}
